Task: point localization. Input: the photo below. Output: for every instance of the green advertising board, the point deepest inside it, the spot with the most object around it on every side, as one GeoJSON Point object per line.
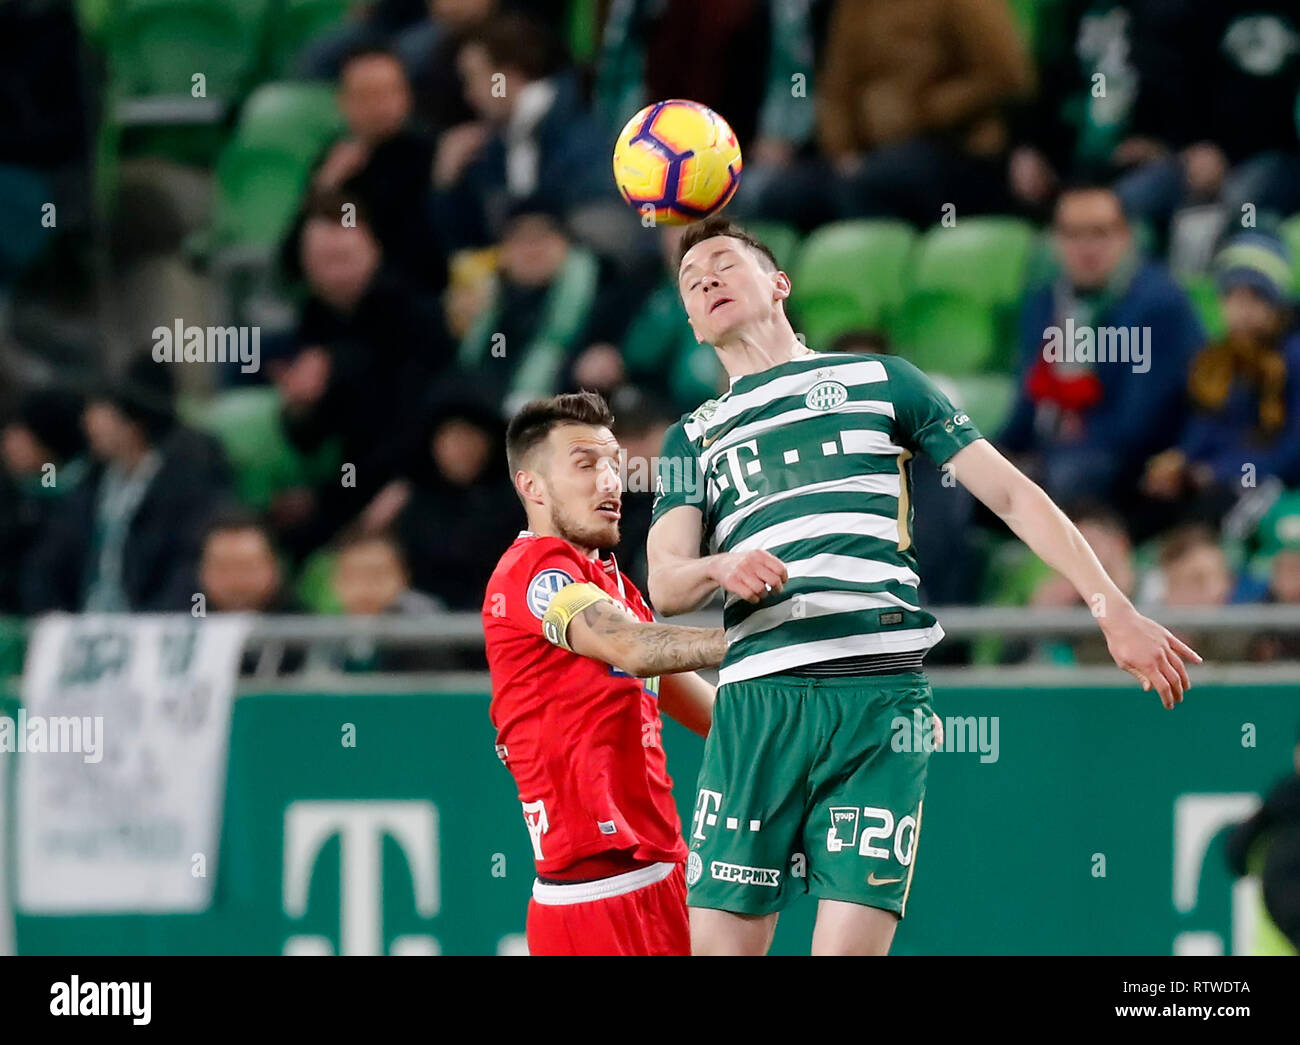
{"type": "Point", "coordinates": [1074, 821]}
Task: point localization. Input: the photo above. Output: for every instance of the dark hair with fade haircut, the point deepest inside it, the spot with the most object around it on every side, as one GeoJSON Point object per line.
{"type": "Point", "coordinates": [719, 226]}
{"type": "Point", "coordinates": [534, 422]}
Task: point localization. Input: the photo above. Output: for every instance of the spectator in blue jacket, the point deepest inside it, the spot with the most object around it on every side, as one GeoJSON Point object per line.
{"type": "Point", "coordinates": [1104, 353]}
{"type": "Point", "coordinates": [533, 138]}
{"type": "Point", "coordinates": [1244, 390]}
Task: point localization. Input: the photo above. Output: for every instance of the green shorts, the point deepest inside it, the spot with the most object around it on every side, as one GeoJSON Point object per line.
{"type": "Point", "coordinates": [810, 786]}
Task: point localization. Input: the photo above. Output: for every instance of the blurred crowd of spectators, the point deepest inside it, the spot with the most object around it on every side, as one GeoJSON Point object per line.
{"type": "Point", "coordinates": [488, 260]}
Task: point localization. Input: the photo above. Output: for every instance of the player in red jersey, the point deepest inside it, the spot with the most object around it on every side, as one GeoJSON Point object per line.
{"type": "Point", "coordinates": [580, 672]}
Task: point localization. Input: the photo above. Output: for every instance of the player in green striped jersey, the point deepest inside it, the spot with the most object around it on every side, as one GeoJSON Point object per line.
{"type": "Point", "coordinates": [791, 493]}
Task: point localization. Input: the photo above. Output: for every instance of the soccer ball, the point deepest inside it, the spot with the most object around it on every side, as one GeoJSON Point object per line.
{"type": "Point", "coordinates": [679, 158]}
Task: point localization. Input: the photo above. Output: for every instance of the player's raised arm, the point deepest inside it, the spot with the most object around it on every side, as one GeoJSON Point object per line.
{"type": "Point", "coordinates": [584, 619]}
{"type": "Point", "coordinates": [1139, 645]}
{"type": "Point", "coordinates": [681, 580]}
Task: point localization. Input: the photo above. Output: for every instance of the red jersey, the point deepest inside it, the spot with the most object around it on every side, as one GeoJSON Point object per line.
{"type": "Point", "coordinates": [581, 738]}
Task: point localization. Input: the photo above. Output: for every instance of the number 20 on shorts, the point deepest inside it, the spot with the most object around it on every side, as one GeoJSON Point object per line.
{"type": "Point", "coordinates": [862, 826]}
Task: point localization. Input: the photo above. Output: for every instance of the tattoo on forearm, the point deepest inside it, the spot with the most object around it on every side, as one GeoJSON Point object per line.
{"type": "Point", "coordinates": [660, 648]}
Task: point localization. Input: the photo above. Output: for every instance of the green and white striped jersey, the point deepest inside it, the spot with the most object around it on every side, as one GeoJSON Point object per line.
{"type": "Point", "coordinates": [808, 460]}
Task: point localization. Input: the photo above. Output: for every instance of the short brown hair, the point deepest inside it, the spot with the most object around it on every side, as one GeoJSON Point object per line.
{"type": "Point", "coordinates": [1183, 540]}
{"type": "Point", "coordinates": [516, 41]}
{"type": "Point", "coordinates": [534, 422]}
{"type": "Point", "coordinates": [356, 536]}
{"type": "Point", "coordinates": [717, 226]}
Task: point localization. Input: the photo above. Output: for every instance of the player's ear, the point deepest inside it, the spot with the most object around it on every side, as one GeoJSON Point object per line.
{"type": "Point", "coordinates": [780, 285]}
{"type": "Point", "coordinates": [528, 484]}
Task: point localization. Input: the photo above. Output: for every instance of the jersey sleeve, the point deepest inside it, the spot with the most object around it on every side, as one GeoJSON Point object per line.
{"type": "Point", "coordinates": [524, 594]}
{"type": "Point", "coordinates": [678, 479]}
{"type": "Point", "coordinates": [926, 418]}
{"type": "Point", "coordinates": [636, 600]}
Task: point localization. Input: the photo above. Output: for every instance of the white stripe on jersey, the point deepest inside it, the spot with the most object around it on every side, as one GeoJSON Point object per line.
{"type": "Point", "coordinates": [865, 372]}
{"type": "Point", "coordinates": [850, 568]}
{"type": "Point", "coordinates": [790, 417]}
{"type": "Point", "coordinates": [888, 483]}
{"type": "Point", "coordinates": [863, 524]}
{"type": "Point", "coordinates": [772, 662]}
{"type": "Point", "coordinates": [868, 442]}
{"type": "Point", "coordinates": [815, 604]}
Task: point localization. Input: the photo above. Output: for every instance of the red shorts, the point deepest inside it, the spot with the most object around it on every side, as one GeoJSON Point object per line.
{"type": "Point", "coordinates": [642, 912]}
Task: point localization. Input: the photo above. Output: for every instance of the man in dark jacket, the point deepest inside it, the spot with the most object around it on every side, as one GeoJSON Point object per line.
{"type": "Point", "coordinates": [461, 511]}
{"type": "Point", "coordinates": [370, 346]}
{"type": "Point", "coordinates": [1104, 353]}
{"type": "Point", "coordinates": [127, 539]}
{"type": "Point", "coordinates": [385, 163]}
{"type": "Point", "coordinates": [533, 138]}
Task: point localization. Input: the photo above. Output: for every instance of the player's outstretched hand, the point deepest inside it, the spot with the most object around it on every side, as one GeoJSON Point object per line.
{"type": "Point", "coordinates": [1150, 653]}
{"type": "Point", "coordinates": [752, 575]}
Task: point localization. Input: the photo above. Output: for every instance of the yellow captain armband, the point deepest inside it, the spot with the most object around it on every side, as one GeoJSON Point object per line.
{"type": "Point", "coordinates": [566, 604]}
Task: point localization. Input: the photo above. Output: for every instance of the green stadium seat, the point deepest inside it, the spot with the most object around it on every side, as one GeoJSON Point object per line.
{"type": "Point", "coordinates": [696, 375]}
{"type": "Point", "coordinates": [295, 23]}
{"type": "Point", "coordinates": [315, 584]}
{"type": "Point", "coordinates": [155, 47]}
{"type": "Point", "coordinates": [988, 399]}
{"type": "Point", "coordinates": [983, 258]}
{"type": "Point", "coordinates": [263, 171]}
{"type": "Point", "coordinates": [258, 194]}
{"type": "Point", "coordinates": [822, 320]}
{"type": "Point", "coordinates": [850, 274]}
{"type": "Point", "coordinates": [782, 238]}
{"type": "Point", "coordinates": [246, 421]}
{"type": "Point", "coordinates": [296, 118]}
{"type": "Point", "coordinates": [946, 333]}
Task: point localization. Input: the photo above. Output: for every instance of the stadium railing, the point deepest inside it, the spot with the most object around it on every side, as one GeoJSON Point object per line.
{"type": "Point", "coordinates": [278, 635]}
